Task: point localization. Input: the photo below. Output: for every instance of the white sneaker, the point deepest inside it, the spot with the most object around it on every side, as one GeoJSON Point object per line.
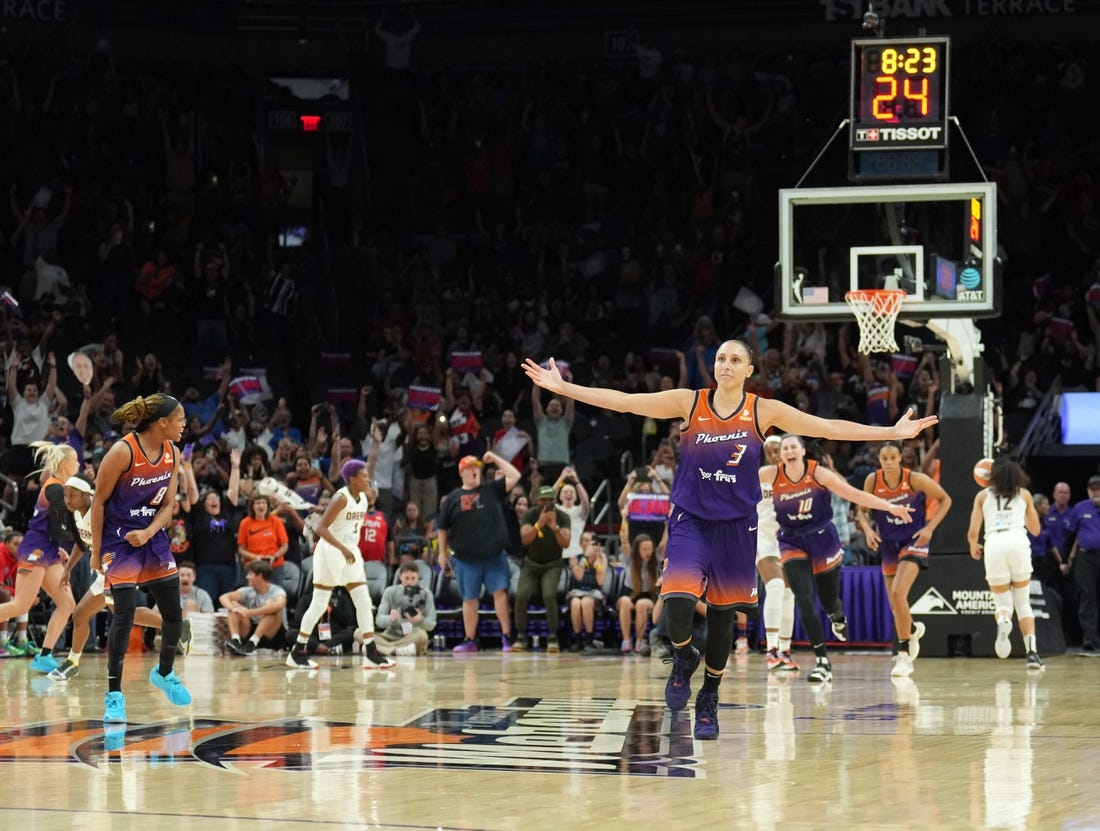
{"type": "Point", "coordinates": [742, 646]}
{"type": "Point", "coordinates": [914, 639]}
{"type": "Point", "coordinates": [903, 666]}
{"type": "Point", "coordinates": [407, 649]}
{"type": "Point", "coordinates": [822, 673]}
{"type": "Point", "coordinates": [1002, 646]}
{"type": "Point", "coordinates": [840, 628]}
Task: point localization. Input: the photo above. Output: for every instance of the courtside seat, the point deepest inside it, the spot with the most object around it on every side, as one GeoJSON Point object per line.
{"type": "Point", "coordinates": [426, 575]}
{"type": "Point", "coordinates": [378, 576]}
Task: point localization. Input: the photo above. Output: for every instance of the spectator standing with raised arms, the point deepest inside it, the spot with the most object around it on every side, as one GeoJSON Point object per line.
{"type": "Point", "coordinates": [473, 535]}
{"type": "Point", "coordinates": [553, 426]}
{"type": "Point", "coordinates": [712, 530]}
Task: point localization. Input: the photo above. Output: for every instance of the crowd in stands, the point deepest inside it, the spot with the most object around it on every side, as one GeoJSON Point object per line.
{"type": "Point", "coordinates": [604, 213]}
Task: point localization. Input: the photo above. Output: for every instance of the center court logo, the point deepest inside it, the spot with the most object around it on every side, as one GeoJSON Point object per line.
{"type": "Point", "coordinates": [546, 735]}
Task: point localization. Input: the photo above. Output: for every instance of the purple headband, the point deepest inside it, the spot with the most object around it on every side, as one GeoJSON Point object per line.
{"type": "Point", "coordinates": [350, 468]}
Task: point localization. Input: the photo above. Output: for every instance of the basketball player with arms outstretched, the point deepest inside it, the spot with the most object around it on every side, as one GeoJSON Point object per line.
{"type": "Point", "coordinates": [809, 546]}
{"type": "Point", "coordinates": [715, 492]}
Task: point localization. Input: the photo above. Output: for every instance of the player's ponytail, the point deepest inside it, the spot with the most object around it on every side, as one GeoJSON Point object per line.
{"type": "Point", "coordinates": [144, 410]}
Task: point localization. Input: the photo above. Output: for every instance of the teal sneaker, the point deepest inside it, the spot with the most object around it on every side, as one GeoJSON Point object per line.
{"type": "Point", "coordinates": [171, 686]}
{"type": "Point", "coordinates": [114, 736]}
{"type": "Point", "coordinates": [44, 662]}
{"type": "Point", "coordinates": [114, 708]}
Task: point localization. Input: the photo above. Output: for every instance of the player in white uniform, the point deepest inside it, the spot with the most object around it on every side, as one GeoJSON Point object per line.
{"type": "Point", "coordinates": [78, 500]}
{"type": "Point", "coordinates": [336, 562]}
{"type": "Point", "coordinates": [1009, 514]}
{"type": "Point", "coordinates": [778, 598]}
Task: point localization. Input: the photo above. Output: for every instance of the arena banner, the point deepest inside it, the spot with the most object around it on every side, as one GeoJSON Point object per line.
{"type": "Point", "coordinates": [952, 599]}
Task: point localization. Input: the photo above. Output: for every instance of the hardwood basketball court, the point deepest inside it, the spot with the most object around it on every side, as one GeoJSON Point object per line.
{"type": "Point", "coordinates": [535, 741]}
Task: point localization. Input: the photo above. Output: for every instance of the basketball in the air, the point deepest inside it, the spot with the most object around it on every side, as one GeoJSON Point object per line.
{"type": "Point", "coordinates": [983, 471]}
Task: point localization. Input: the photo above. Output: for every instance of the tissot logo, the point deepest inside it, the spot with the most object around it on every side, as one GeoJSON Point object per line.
{"type": "Point", "coordinates": [609, 735]}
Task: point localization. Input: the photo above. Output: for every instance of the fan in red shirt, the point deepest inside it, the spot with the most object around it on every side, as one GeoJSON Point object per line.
{"type": "Point", "coordinates": [9, 565]}
{"type": "Point", "coordinates": [374, 542]}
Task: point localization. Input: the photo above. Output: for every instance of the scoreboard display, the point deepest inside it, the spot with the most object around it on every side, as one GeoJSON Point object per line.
{"type": "Point", "coordinates": [898, 108]}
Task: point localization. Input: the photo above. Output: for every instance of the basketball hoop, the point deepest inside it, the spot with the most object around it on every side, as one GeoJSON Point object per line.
{"type": "Point", "coordinates": [876, 311]}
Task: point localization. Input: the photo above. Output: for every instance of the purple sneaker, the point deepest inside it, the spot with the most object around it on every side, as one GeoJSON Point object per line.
{"type": "Point", "coordinates": [706, 716]}
{"type": "Point", "coordinates": [678, 687]}
{"type": "Point", "coordinates": [467, 645]}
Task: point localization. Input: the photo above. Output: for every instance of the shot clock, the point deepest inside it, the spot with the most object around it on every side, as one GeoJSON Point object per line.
{"type": "Point", "coordinates": [899, 108]}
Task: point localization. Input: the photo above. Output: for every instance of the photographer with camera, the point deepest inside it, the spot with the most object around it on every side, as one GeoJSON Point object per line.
{"type": "Point", "coordinates": [406, 614]}
{"type": "Point", "coordinates": [545, 531]}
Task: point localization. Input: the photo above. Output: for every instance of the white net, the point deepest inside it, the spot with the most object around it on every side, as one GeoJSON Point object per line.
{"type": "Point", "coordinates": [876, 312]}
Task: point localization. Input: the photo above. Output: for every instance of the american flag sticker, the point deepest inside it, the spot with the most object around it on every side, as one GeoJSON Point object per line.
{"type": "Point", "coordinates": [815, 294]}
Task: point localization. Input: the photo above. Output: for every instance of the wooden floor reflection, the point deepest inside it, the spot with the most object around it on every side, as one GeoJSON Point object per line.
{"type": "Point", "coordinates": [538, 742]}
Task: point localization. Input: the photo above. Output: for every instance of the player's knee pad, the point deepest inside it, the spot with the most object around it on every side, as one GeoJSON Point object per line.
{"type": "Point", "coordinates": [360, 594]}
{"type": "Point", "coordinates": [679, 613]}
{"type": "Point", "coordinates": [1021, 599]}
{"type": "Point", "coordinates": [364, 609]}
{"type": "Point", "coordinates": [773, 602]}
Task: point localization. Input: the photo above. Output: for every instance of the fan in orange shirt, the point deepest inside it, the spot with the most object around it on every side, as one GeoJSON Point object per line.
{"type": "Point", "coordinates": [262, 536]}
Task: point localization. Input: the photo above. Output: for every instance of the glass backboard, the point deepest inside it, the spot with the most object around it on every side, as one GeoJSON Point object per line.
{"type": "Point", "coordinates": [938, 242]}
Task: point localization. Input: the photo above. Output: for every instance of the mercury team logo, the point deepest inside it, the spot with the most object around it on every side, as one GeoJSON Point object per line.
{"type": "Point", "coordinates": [547, 735]}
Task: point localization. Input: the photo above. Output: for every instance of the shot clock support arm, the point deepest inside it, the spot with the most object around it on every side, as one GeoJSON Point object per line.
{"type": "Point", "coordinates": [839, 127]}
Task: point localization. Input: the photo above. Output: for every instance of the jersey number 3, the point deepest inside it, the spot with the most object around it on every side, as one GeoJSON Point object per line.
{"type": "Point", "coordinates": [735, 457]}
